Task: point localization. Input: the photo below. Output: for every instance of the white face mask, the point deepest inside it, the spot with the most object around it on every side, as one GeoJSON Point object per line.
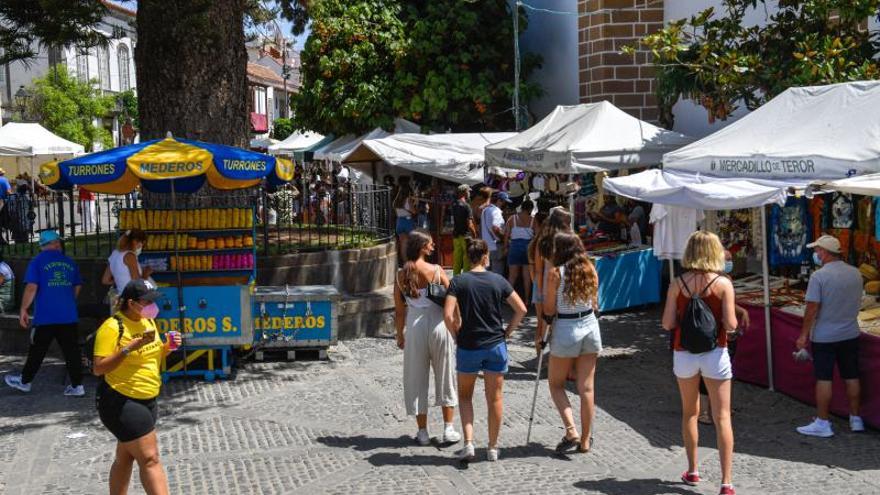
{"type": "Point", "coordinates": [138, 251]}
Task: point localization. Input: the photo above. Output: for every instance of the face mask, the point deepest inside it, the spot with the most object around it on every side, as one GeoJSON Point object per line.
{"type": "Point", "coordinates": [137, 252]}
{"type": "Point", "coordinates": [728, 266]}
{"type": "Point", "coordinates": [817, 260]}
{"type": "Point", "coordinates": [150, 311]}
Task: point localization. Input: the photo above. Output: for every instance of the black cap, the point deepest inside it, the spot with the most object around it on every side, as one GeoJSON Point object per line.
{"type": "Point", "coordinates": [140, 290]}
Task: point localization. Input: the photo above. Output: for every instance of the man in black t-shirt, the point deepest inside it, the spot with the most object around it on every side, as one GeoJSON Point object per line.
{"type": "Point", "coordinates": [462, 227]}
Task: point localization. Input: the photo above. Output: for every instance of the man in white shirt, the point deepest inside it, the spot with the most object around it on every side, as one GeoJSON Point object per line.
{"type": "Point", "coordinates": [492, 230]}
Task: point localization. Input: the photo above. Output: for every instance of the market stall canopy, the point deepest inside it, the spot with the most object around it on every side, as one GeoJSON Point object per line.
{"type": "Point", "coordinates": [592, 137]}
{"type": "Point", "coordinates": [866, 185]}
{"type": "Point", "coordinates": [339, 149]}
{"type": "Point", "coordinates": [457, 158]}
{"type": "Point", "coordinates": [299, 143]}
{"type": "Point", "coordinates": [819, 132]}
{"type": "Point", "coordinates": [28, 139]}
{"type": "Point", "coordinates": [262, 143]}
{"type": "Point", "coordinates": [158, 164]}
{"type": "Point", "coordinates": [822, 132]}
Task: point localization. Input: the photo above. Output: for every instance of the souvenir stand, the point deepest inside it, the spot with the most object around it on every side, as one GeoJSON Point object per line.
{"type": "Point", "coordinates": [770, 157]}
{"type": "Point", "coordinates": [452, 159]}
{"type": "Point", "coordinates": [570, 147]}
{"type": "Point", "coordinates": [204, 258]}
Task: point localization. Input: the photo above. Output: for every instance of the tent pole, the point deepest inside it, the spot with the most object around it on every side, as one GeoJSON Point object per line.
{"type": "Point", "coordinates": [765, 262]}
{"type": "Point", "coordinates": [571, 210]}
{"type": "Point", "coordinates": [180, 306]}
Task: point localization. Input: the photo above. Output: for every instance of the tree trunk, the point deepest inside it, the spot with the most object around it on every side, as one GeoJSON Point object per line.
{"type": "Point", "coordinates": [191, 66]}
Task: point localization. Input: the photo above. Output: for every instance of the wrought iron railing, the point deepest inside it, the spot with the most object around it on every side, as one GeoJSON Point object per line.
{"type": "Point", "coordinates": [287, 221]}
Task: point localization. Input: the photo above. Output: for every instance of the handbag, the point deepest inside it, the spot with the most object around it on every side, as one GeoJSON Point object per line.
{"type": "Point", "coordinates": [436, 292]}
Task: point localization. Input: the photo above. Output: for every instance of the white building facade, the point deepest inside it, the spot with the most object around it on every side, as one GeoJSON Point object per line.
{"type": "Point", "coordinates": [110, 67]}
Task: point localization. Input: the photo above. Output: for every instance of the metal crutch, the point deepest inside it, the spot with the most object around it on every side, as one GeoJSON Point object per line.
{"type": "Point", "coordinates": [544, 339]}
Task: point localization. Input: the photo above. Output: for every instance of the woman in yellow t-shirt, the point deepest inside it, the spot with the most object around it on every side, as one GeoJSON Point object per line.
{"type": "Point", "coordinates": [128, 353]}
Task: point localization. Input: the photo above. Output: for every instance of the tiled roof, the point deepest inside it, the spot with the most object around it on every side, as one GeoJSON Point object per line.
{"type": "Point", "coordinates": [119, 8]}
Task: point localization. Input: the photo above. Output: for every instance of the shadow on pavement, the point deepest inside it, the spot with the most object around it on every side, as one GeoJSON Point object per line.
{"type": "Point", "coordinates": [613, 486]}
{"type": "Point", "coordinates": [363, 443]}
{"type": "Point", "coordinates": [394, 459]}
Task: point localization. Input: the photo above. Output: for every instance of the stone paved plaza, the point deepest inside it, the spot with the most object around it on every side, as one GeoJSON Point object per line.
{"type": "Point", "coordinates": [340, 427]}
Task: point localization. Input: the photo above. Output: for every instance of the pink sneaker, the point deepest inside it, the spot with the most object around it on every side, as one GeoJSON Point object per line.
{"type": "Point", "coordinates": [690, 478]}
{"type": "Point", "coordinates": [727, 490]}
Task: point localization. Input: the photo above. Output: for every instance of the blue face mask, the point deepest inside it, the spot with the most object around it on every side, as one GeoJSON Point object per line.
{"type": "Point", "coordinates": [817, 260]}
{"type": "Point", "coordinates": [728, 266]}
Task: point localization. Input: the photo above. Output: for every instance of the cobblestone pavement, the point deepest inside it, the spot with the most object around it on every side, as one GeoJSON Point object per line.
{"type": "Point", "coordinates": [340, 427]}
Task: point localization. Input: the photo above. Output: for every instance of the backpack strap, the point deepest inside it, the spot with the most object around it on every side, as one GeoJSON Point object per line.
{"type": "Point", "coordinates": [684, 284]}
{"type": "Point", "coordinates": [708, 286]}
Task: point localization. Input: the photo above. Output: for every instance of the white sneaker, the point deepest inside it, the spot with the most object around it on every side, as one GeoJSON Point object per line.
{"type": "Point", "coordinates": [492, 454]}
{"type": "Point", "coordinates": [818, 428]}
{"type": "Point", "coordinates": [77, 391]}
{"type": "Point", "coordinates": [466, 453]}
{"type": "Point", "coordinates": [856, 424]}
{"type": "Point", "coordinates": [14, 381]}
{"type": "Point", "coordinates": [450, 435]}
{"type": "Point", "coordinates": [422, 438]}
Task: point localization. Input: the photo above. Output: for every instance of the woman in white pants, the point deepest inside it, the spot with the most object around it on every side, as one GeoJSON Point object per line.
{"type": "Point", "coordinates": [425, 341]}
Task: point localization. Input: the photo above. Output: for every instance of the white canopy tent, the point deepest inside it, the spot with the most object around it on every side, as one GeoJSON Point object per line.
{"type": "Point", "coordinates": [592, 137]}
{"type": "Point", "coordinates": [457, 158]}
{"type": "Point", "coordinates": [866, 185]}
{"type": "Point", "coordinates": [26, 146]}
{"type": "Point", "coordinates": [339, 149]}
{"type": "Point", "coordinates": [804, 134]}
{"type": "Point", "coordinates": [298, 141]}
{"type": "Point", "coordinates": [262, 143]}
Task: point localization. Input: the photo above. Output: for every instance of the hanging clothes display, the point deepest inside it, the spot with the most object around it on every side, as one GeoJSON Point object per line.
{"type": "Point", "coordinates": [817, 214]}
{"type": "Point", "coordinates": [790, 232]}
{"type": "Point", "coordinates": [672, 227]}
{"type": "Point", "coordinates": [757, 234]}
{"type": "Point", "coordinates": [842, 211]}
{"type": "Point", "coordinates": [734, 228]}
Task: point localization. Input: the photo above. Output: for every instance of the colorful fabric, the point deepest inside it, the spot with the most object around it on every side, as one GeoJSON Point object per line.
{"type": "Point", "coordinates": [790, 233]}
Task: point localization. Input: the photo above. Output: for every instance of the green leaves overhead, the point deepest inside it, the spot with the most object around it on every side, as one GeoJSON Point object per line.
{"type": "Point", "coordinates": [722, 63]}
{"type": "Point", "coordinates": [442, 63]}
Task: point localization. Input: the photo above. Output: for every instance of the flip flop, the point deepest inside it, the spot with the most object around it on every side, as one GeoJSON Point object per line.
{"type": "Point", "coordinates": [582, 450]}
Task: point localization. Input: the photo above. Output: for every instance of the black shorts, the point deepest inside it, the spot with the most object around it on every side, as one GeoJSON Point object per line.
{"type": "Point", "coordinates": [845, 353]}
{"type": "Point", "coordinates": [127, 419]}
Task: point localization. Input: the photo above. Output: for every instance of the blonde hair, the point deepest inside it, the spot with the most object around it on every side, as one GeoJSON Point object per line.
{"type": "Point", "coordinates": [703, 253]}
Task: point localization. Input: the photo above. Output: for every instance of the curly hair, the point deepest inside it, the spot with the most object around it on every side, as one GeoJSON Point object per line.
{"type": "Point", "coordinates": [418, 239]}
{"type": "Point", "coordinates": [581, 282]}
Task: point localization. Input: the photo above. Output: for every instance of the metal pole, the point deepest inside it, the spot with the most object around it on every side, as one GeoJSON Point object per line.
{"type": "Point", "coordinates": [516, 66]}
{"type": "Point", "coordinates": [181, 308]}
{"type": "Point", "coordinates": [767, 326]}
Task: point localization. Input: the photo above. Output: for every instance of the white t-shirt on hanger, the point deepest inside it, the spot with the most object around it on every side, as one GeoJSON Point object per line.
{"type": "Point", "coordinates": [672, 227]}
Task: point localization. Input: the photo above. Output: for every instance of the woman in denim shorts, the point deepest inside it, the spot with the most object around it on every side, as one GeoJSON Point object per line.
{"type": "Point", "coordinates": [473, 314]}
{"type": "Point", "coordinates": [571, 294]}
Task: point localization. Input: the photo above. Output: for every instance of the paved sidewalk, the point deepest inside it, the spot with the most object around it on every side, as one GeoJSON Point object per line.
{"type": "Point", "coordinates": [340, 427]}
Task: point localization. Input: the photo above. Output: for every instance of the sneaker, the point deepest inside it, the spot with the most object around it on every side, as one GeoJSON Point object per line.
{"type": "Point", "coordinates": [727, 490]}
{"type": "Point", "coordinates": [818, 428]}
{"type": "Point", "coordinates": [690, 478]}
{"type": "Point", "coordinates": [856, 424]}
{"type": "Point", "coordinates": [14, 381]}
{"type": "Point", "coordinates": [77, 391]}
{"type": "Point", "coordinates": [422, 438]}
{"type": "Point", "coordinates": [492, 454]}
{"type": "Point", "coordinates": [466, 453]}
{"type": "Point", "coordinates": [450, 435]}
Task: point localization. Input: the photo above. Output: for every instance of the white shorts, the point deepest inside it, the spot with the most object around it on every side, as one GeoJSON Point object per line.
{"type": "Point", "coordinates": [714, 364]}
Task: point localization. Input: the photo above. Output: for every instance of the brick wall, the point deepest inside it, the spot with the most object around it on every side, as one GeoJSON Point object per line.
{"type": "Point", "coordinates": [604, 26]}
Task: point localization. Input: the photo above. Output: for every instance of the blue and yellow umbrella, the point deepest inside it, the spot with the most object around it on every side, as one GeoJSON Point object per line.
{"type": "Point", "coordinates": [161, 164]}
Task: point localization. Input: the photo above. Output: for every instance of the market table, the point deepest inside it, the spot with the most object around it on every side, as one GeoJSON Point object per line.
{"type": "Point", "coordinates": [796, 378]}
{"type": "Point", "coordinates": [628, 279]}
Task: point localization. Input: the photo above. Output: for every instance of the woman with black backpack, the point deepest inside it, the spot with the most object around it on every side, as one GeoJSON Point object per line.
{"type": "Point", "coordinates": [700, 311]}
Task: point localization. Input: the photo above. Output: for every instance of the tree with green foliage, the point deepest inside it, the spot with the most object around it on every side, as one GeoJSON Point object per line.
{"type": "Point", "coordinates": [458, 71]}
{"type": "Point", "coordinates": [348, 64]}
{"type": "Point", "coordinates": [445, 64]}
{"type": "Point", "coordinates": [721, 63]}
{"type": "Point", "coordinates": [69, 108]}
{"type": "Point", "coordinates": [129, 102]}
{"type": "Point", "coordinates": [282, 128]}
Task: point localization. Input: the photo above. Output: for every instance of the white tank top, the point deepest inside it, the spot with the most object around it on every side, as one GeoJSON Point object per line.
{"type": "Point", "coordinates": [422, 301]}
{"type": "Point", "coordinates": [524, 233]}
{"type": "Point", "coordinates": [119, 270]}
{"type": "Point", "coordinates": [562, 305]}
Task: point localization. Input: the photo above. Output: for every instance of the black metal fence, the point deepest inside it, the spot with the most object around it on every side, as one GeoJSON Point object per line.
{"type": "Point", "coordinates": [288, 221]}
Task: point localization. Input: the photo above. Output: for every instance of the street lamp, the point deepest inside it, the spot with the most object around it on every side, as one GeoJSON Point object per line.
{"type": "Point", "coordinates": [22, 101]}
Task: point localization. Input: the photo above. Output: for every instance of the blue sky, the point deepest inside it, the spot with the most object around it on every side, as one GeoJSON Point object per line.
{"type": "Point", "coordinates": [299, 41]}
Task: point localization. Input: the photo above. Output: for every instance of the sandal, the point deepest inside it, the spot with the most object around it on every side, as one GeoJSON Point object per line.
{"type": "Point", "coordinates": [582, 450]}
{"type": "Point", "coordinates": [567, 444]}
{"type": "Point", "coordinates": [705, 419]}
